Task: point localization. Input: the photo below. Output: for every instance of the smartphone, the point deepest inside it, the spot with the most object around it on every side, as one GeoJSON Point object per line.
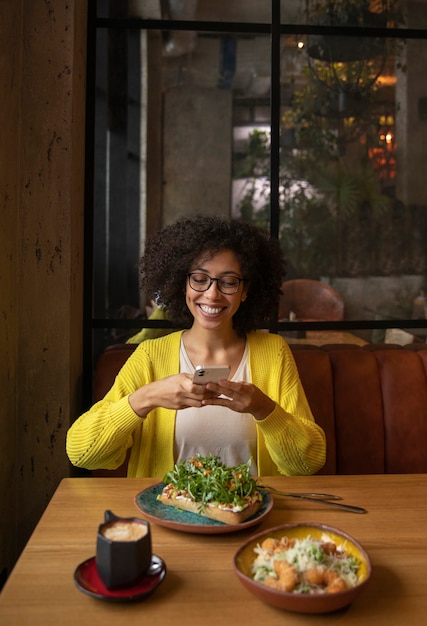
{"type": "Point", "coordinates": [210, 373]}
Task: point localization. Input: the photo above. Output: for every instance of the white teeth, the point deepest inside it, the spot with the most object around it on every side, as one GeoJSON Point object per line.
{"type": "Point", "coordinates": [210, 310]}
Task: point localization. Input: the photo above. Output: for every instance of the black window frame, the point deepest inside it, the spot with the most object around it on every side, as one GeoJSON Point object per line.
{"type": "Point", "coordinates": [276, 30]}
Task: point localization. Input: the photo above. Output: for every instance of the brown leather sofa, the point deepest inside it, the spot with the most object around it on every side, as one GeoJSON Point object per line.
{"type": "Point", "coordinates": [371, 402]}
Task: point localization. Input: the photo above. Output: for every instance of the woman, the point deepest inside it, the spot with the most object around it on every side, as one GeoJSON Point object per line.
{"type": "Point", "coordinates": [219, 280]}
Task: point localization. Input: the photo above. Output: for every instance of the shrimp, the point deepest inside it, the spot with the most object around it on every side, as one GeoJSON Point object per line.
{"type": "Point", "coordinates": [270, 544]}
{"type": "Point", "coordinates": [315, 576]}
{"type": "Point", "coordinates": [271, 581]}
{"type": "Point", "coordinates": [330, 580]}
{"type": "Point", "coordinates": [329, 547]}
{"type": "Point", "coordinates": [287, 576]}
{"type": "Point", "coordinates": [334, 582]}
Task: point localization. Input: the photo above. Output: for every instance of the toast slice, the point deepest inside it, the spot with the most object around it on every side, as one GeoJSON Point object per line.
{"type": "Point", "coordinates": [226, 513]}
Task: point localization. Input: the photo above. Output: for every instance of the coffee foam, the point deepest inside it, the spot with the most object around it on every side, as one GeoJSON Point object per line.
{"type": "Point", "coordinates": [124, 531]}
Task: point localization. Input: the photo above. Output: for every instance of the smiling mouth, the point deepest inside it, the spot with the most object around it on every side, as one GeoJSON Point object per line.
{"type": "Point", "coordinates": [211, 310]}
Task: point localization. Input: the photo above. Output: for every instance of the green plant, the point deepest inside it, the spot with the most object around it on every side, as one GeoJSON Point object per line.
{"type": "Point", "coordinates": [322, 202]}
{"type": "Point", "coordinates": [354, 12]}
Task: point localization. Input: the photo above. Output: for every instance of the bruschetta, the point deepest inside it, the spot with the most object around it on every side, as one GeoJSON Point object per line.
{"type": "Point", "coordinates": [206, 486]}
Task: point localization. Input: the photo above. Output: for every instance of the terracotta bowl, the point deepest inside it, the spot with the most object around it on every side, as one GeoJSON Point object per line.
{"type": "Point", "coordinates": [298, 602]}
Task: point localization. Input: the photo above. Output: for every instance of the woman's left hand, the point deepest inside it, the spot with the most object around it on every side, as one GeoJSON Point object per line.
{"type": "Point", "coordinates": [241, 397]}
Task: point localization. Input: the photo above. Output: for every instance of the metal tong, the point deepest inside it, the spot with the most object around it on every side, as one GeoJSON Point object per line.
{"type": "Point", "coordinates": [321, 498]}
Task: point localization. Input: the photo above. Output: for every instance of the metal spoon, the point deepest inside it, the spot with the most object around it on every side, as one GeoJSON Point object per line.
{"type": "Point", "coordinates": [315, 497]}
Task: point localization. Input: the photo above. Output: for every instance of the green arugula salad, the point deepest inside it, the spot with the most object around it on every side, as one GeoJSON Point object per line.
{"type": "Point", "coordinates": [206, 479]}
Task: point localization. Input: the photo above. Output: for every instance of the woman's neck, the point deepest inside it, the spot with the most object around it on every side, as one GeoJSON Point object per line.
{"type": "Point", "coordinates": [206, 347]}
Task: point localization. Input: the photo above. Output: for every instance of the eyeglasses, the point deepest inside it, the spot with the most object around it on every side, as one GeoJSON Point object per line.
{"type": "Point", "coordinates": [226, 284]}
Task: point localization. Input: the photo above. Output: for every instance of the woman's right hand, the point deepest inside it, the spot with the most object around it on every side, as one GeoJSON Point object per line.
{"type": "Point", "coordinates": [174, 392]}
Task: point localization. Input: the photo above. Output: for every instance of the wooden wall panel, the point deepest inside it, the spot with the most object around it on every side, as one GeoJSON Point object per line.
{"type": "Point", "coordinates": [10, 62]}
{"type": "Point", "coordinates": [43, 57]}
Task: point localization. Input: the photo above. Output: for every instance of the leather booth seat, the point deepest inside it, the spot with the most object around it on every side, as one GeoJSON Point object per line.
{"type": "Point", "coordinates": [371, 402]}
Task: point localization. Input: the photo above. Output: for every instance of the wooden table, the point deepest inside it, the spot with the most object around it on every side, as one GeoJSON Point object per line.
{"type": "Point", "coordinates": [321, 337]}
{"type": "Point", "coordinates": [200, 588]}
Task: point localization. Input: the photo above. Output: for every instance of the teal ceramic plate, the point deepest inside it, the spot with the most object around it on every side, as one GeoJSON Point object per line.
{"type": "Point", "coordinates": [188, 522]}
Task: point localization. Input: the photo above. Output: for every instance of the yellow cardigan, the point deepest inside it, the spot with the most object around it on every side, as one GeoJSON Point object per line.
{"type": "Point", "coordinates": [289, 441]}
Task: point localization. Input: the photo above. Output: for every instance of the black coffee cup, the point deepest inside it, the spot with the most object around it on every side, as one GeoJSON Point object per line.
{"type": "Point", "coordinates": [123, 550]}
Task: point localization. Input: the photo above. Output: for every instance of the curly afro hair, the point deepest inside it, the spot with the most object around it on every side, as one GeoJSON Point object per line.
{"type": "Point", "coordinates": [171, 253]}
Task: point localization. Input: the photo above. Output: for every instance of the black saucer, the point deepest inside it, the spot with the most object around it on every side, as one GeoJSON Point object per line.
{"type": "Point", "coordinates": [87, 580]}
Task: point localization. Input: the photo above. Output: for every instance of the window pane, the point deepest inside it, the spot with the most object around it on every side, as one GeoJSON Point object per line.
{"type": "Point", "coordinates": [251, 131]}
{"type": "Point", "coordinates": [197, 94]}
{"type": "Point", "coordinates": [185, 10]}
{"type": "Point", "coordinates": [353, 203]}
{"type": "Point", "coordinates": [117, 217]}
{"type": "Point", "coordinates": [171, 137]}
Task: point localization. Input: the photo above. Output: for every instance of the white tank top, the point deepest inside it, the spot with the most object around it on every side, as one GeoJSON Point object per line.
{"type": "Point", "coordinates": [216, 430]}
